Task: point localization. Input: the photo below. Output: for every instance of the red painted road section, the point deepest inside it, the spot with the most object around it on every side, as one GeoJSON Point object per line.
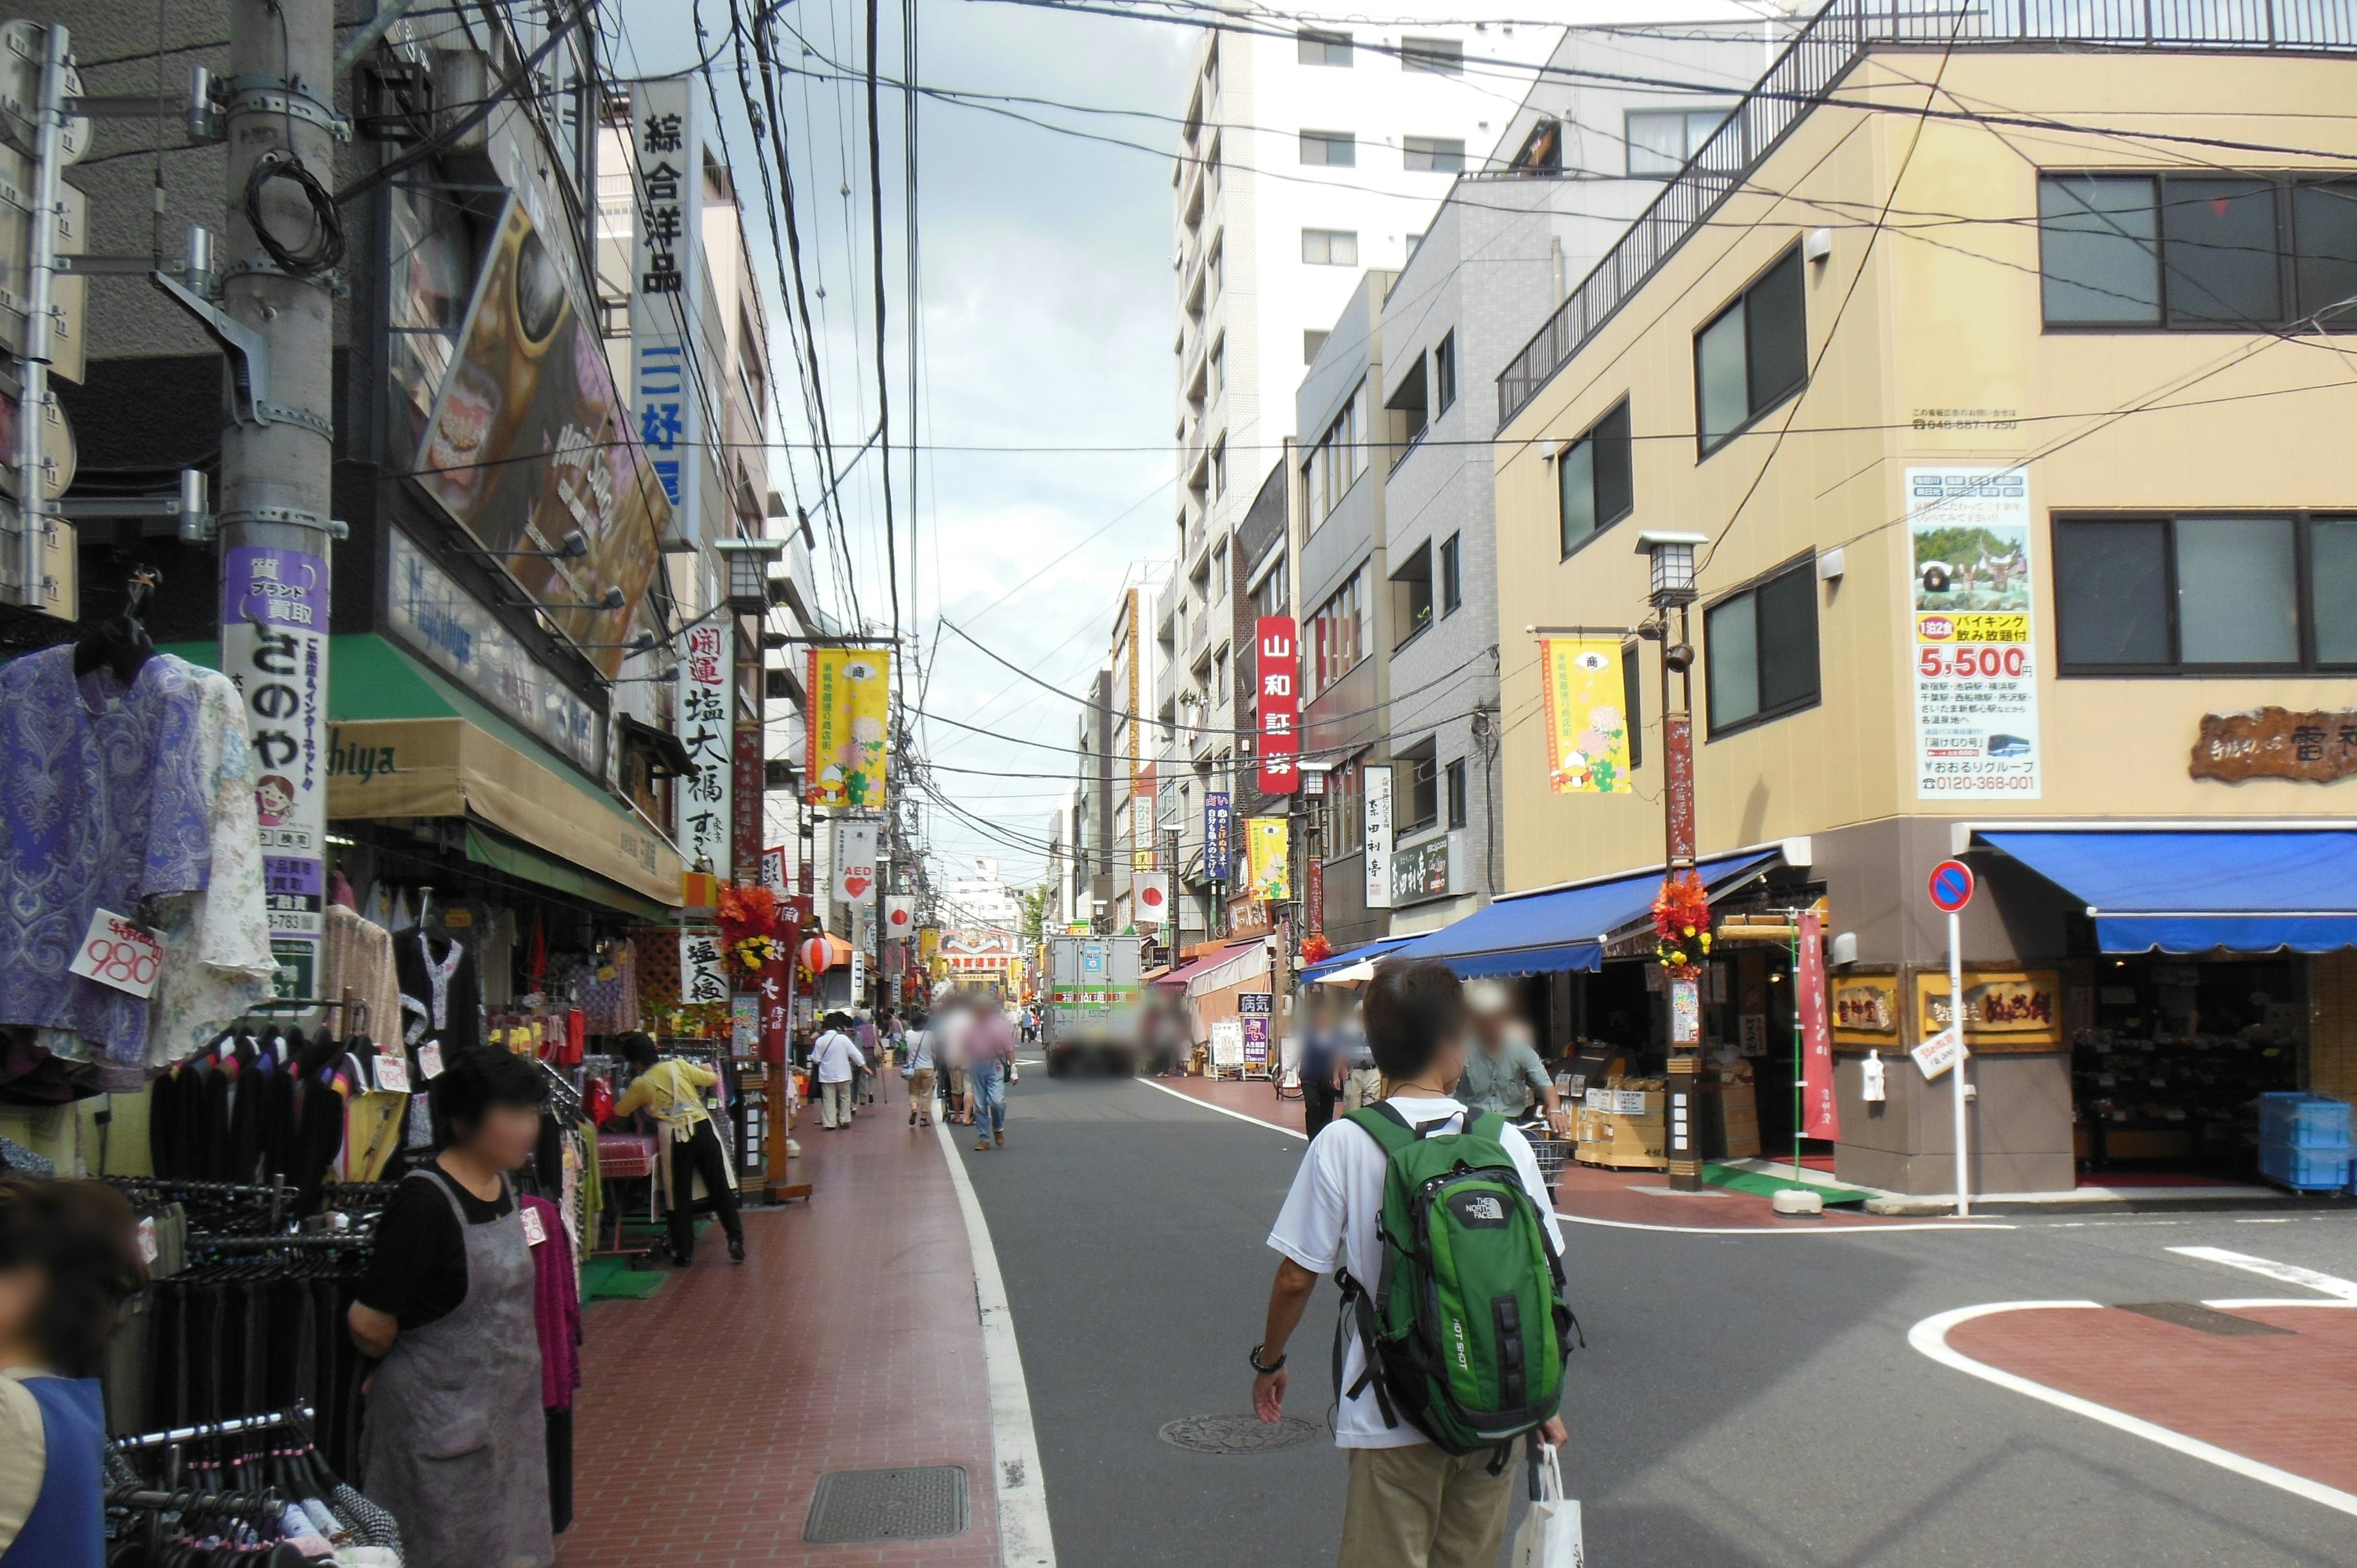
{"type": "Point", "coordinates": [1584, 1192]}
{"type": "Point", "coordinates": [848, 1341]}
{"type": "Point", "coordinates": [2286, 1400]}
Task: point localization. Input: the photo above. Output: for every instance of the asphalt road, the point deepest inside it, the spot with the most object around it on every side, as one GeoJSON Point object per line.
{"type": "Point", "coordinates": [1743, 1400]}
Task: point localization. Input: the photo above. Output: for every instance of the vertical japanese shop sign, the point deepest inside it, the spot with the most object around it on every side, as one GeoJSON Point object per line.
{"type": "Point", "coordinates": [1267, 848]}
{"type": "Point", "coordinates": [1313, 893]}
{"type": "Point", "coordinates": [1677, 769]}
{"type": "Point", "coordinates": [703, 972]}
{"type": "Point", "coordinates": [1219, 835]}
{"type": "Point", "coordinates": [846, 724]}
{"type": "Point", "coordinates": [1377, 778]}
{"type": "Point", "coordinates": [745, 802]}
{"type": "Point", "coordinates": [273, 639]}
{"type": "Point", "coordinates": [1277, 668]}
{"type": "Point", "coordinates": [666, 269]}
{"type": "Point", "coordinates": [1587, 728]}
{"type": "Point", "coordinates": [773, 869]}
{"type": "Point", "coordinates": [1976, 649]}
{"type": "Point", "coordinates": [1143, 836]}
{"type": "Point", "coordinates": [1820, 1117]}
{"type": "Point", "coordinates": [704, 824]}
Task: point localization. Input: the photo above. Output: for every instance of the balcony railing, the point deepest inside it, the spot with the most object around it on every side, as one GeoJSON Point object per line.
{"type": "Point", "coordinates": [1819, 56]}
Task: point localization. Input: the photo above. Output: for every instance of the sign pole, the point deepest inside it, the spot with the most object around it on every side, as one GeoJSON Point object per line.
{"type": "Point", "coordinates": [1956, 1022]}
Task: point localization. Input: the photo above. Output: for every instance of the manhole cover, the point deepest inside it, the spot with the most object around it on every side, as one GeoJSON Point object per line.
{"type": "Point", "coordinates": [886, 1504]}
{"type": "Point", "coordinates": [1237, 1433]}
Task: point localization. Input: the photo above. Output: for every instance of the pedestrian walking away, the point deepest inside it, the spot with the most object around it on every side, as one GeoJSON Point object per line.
{"type": "Point", "coordinates": [990, 1052]}
{"type": "Point", "coordinates": [1320, 1066]}
{"type": "Point", "coordinates": [917, 1068]}
{"type": "Point", "coordinates": [673, 1093]}
{"type": "Point", "coordinates": [834, 1059]}
{"type": "Point", "coordinates": [1362, 1081]}
{"type": "Point", "coordinates": [1416, 1500]}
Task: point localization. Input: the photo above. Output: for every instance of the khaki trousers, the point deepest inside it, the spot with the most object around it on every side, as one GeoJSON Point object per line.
{"type": "Point", "coordinates": [1362, 1087]}
{"type": "Point", "coordinates": [1418, 1508]}
{"type": "Point", "coordinates": [834, 1103]}
{"type": "Point", "coordinates": [921, 1093]}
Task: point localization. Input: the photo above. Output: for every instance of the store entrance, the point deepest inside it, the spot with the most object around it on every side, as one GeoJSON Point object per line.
{"type": "Point", "coordinates": [2167, 1068]}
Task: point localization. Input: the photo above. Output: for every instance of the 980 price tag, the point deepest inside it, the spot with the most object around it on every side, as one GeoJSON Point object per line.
{"type": "Point", "coordinates": [115, 952]}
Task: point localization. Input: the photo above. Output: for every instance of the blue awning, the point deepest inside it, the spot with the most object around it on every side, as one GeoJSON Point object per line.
{"type": "Point", "coordinates": [1373, 950]}
{"type": "Point", "coordinates": [1567, 928]}
{"type": "Point", "coordinates": [2192, 890]}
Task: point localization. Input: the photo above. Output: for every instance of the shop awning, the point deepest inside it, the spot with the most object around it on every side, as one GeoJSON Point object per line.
{"type": "Point", "coordinates": [2186, 890]}
{"type": "Point", "coordinates": [500, 852]}
{"type": "Point", "coordinates": [1241, 962]}
{"type": "Point", "coordinates": [1176, 980]}
{"type": "Point", "coordinates": [1375, 950]}
{"type": "Point", "coordinates": [1536, 933]}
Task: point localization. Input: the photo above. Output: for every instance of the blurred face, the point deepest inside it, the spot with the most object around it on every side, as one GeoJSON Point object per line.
{"type": "Point", "coordinates": [1490, 1026]}
{"type": "Point", "coordinates": [21, 1290]}
{"type": "Point", "coordinates": [505, 1137]}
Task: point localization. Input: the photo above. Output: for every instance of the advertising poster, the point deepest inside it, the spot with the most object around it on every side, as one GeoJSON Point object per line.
{"type": "Point", "coordinates": [846, 725]}
{"type": "Point", "coordinates": [529, 444]}
{"type": "Point", "coordinates": [1266, 848]}
{"type": "Point", "coordinates": [1219, 835]}
{"type": "Point", "coordinates": [1976, 652]}
{"type": "Point", "coordinates": [1378, 858]}
{"type": "Point", "coordinates": [1276, 667]}
{"type": "Point", "coordinates": [274, 648]}
{"type": "Point", "coordinates": [1588, 725]}
{"type": "Point", "coordinates": [855, 862]}
{"type": "Point", "coordinates": [705, 825]}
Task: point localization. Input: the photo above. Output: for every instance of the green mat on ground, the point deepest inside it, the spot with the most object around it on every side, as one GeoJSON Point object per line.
{"type": "Point", "coordinates": [613, 1279]}
{"type": "Point", "coordinates": [1761, 1184]}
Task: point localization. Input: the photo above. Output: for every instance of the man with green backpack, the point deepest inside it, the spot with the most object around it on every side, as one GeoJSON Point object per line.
{"type": "Point", "coordinates": [1441, 1233]}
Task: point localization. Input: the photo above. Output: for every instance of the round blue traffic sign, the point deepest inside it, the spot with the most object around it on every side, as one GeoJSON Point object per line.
{"type": "Point", "coordinates": [1951, 885]}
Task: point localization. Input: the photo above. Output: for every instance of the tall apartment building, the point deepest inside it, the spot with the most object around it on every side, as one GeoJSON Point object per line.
{"type": "Point", "coordinates": [1305, 156]}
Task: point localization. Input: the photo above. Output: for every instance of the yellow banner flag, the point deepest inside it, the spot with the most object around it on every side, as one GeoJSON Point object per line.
{"type": "Point", "coordinates": [1587, 719]}
{"type": "Point", "coordinates": [849, 717]}
{"type": "Point", "coordinates": [1265, 848]}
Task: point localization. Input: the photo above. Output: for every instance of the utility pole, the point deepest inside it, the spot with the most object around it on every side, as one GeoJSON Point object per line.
{"type": "Point", "coordinates": [278, 450]}
{"type": "Point", "coordinates": [1673, 587]}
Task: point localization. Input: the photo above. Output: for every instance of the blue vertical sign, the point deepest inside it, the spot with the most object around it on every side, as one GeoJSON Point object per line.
{"type": "Point", "coordinates": [666, 280]}
{"type": "Point", "coordinates": [1218, 842]}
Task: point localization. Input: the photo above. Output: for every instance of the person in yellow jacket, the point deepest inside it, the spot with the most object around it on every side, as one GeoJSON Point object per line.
{"type": "Point", "coordinates": [673, 1093]}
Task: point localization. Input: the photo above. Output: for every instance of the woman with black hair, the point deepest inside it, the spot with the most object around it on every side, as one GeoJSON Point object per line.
{"type": "Point", "coordinates": [671, 1092]}
{"type": "Point", "coordinates": [453, 1443]}
{"type": "Point", "coordinates": [66, 1268]}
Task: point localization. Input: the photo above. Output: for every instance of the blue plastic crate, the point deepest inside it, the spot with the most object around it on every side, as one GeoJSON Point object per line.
{"type": "Point", "coordinates": [2305, 1170]}
{"type": "Point", "coordinates": [2304, 1121]}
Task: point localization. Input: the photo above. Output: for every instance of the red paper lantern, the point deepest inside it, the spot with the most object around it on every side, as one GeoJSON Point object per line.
{"type": "Point", "coordinates": [816, 955]}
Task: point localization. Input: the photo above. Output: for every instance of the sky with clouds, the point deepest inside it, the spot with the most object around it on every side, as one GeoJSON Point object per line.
{"type": "Point", "coordinates": [1045, 321]}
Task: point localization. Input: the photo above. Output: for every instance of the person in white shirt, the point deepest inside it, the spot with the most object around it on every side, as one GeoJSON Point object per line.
{"type": "Point", "coordinates": [834, 1059]}
{"type": "Point", "coordinates": [1411, 1504]}
{"type": "Point", "coordinates": [916, 1067]}
{"type": "Point", "coordinates": [950, 1023]}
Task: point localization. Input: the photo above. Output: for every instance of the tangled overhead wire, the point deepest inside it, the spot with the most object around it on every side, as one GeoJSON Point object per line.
{"type": "Point", "coordinates": [325, 248]}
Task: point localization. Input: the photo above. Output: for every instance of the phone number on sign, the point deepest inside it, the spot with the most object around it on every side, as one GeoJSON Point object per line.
{"type": "Point", "coordinates": [1969, 663]}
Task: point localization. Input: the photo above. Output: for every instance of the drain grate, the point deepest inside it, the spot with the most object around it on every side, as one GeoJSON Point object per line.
{"type": "Point", "coordinates": [2209, 1320]}
{"type": "Point", "coordinates": [915, 1504]}
{"type": "Point", "coordinates": [1237, 1433]}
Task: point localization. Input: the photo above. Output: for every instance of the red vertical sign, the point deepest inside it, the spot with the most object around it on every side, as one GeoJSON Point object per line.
{"type": "Point", "coordinates": [744, 805]}
{"type": "Point", "coordinates": [1819, 1116]}
{"type": "Point", "coordinates": [1277, 670]}
{"type": "Point", "coordinates": [1313, 898]}
{"type": "Point", "coordinates": [1677, 753]}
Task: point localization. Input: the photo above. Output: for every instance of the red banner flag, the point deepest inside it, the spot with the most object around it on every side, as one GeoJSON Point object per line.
{"type": "Point", "coordinates": [1819, 1116]}
{"type": "Point", "coordinates": [1278, 668]}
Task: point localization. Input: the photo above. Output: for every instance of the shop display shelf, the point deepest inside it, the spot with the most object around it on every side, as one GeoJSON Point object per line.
{"type": "Point", "coordinates": [2304, 1121]}
{"type": "Point", "coordinates": [2304, 1169]}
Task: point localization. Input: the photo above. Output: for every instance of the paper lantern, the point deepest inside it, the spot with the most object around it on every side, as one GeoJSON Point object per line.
{"type": "Point", "coordinates": [816, 955]}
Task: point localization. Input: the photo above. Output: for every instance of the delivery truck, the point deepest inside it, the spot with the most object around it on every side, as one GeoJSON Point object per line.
{"type": "Point", "coordinates": [1090, 1016]}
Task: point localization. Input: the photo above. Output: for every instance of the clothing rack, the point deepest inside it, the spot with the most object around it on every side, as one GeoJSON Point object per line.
{"type": "Point", "coordinates": [323, 1241]}
{"type": "Point", "coordinates": [278, 1192]}
{"type": "Point", "coordinates": [568, 1098]}
{"type": "Point", "coordinates": [287, 1417]}
{"type": "Point", "coordinates": [262, 1507]}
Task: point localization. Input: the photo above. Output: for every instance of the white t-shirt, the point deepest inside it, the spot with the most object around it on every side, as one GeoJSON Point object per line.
{"type": "Point", "coordinates": [918, 1043]}
{"type": "Point", "coordinates": [1331, 1216]}
{"type": "Point", "coordinates": [949, 1038]}
{"type": "Point", "coordinates": [834, 1056]}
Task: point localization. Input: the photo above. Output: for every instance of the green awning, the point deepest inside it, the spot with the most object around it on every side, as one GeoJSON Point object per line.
{"type": "Point", "coordinates": [526, 864]}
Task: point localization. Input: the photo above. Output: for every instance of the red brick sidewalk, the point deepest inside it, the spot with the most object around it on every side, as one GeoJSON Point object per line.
{"type": "Point", "coordinates": [848, 1341]}
{"type": "Point", "coordinates": [1584, 1192]}
{"type": "Point", "coordinates": [2286, 1400]}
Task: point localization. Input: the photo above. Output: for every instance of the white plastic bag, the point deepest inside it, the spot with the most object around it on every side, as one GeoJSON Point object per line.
{"type": "Point", "coordinates": [1550, 1536]}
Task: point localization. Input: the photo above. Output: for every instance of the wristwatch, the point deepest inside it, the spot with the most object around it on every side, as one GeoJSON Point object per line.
{"type": "Point", "coordinates": [1264, 1371]}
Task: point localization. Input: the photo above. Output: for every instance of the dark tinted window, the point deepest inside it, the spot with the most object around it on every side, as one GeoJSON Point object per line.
{"type": "Point", "coordinates": [2324, 229]}
{"type": "Point", "coordinates": [1788, 640]}
{"type": "Point", "coordinates": [2220, 253]}
{"type": "Point", "coordinates": [2101, 253]}
{"type": "Point", "coordinates": [2111, 588]}
{"type": "Point", "coordinates": [1779, 333]}
{"type": "Point", "coordinates": [1761, 650]}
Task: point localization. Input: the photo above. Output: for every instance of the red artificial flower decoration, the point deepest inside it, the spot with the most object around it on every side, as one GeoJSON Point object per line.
{"type": "Point", "coordinates": [1682, 924]}
{"type": "Point", "coordinates": [1317, 950]}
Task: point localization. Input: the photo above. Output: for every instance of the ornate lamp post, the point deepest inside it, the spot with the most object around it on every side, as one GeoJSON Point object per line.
{"type": "Point", "coordinates": [1673, 588]}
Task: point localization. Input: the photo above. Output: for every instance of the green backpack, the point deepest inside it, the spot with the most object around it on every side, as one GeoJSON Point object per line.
{"type": "Point", "coordinates": [1467, 1330]}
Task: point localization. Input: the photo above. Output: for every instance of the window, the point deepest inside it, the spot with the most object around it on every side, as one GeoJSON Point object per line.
{"type": "Point", "coordinates": [1217, 376]}
{"type": "Point", "coordinates": [2194, 252]}
{"type": "Point", "coordinates": [1761, 649]}
{"type": "Point", "coordinates": [1220, 467]}
{"type": "Point", "coordinates": [1220, 572]}
{"type": "Point", "coordinates": [1416, 790]}
{"type": "Point", "coordinates": [1337, 636]}
{"type": "Point", "coordinates": [1211, 69]}
{"type": "Point", "coordinates": [1310, 343]}
{"type": "Point", "coordinates": [1632, 701]}
{"type": "Point", "coordinates": [1406, 407]}
{"type": "Point", "coordinates": [1333, 149]}
{"type": "Point", "coordinates": [1211, 170]}
{"type": "Point", "coordinates": [1436, 154]}
{"type": "Point", "coordinates": [1345, 810]}
{"type": "Point", "coordinates": [1220, 676]}
{"type": "Point", "coordinates": [1661, 140]}
{"type": "Point", "coordinates": [1454, 775]}
{"type": "Point", "coordinates": [1324, 49]}
{"type": "Point", "coordinates": [1452, 575]}
{"type": "Point", "coordinates": [1275, 595]}
{"type": "Point", "coordinates": [1445, 56]}
{"type": "Point", "coordinates": [1216, 270]}
{"type": "Point", "coordinates": [1593, 481]}
{"type": "Point", "coordinates": [1444, 373]}
{"type": "Point", "coordinates": [1331, 247]}
{"type": "Point", "coordinates": [1753, 356]}
{"type": "Point", "coordinates": [1336, 462]}
{"type": "Point", "coordinates": [2189, 595]}
{"type": "Point", "coordinates": [1412, 595]}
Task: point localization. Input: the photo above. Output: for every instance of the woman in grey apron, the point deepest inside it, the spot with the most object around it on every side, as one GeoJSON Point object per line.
{"type": "Point", "coordinates": [453, 1443]}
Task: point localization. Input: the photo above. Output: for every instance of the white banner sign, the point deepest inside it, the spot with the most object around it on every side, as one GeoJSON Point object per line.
{"type": "Point", "coordinates": [855, 862]}
{"type": "Point", "coordinates": [704, 726]}
{"type": "Point", "coordinates": [1938, 1054]}
{"type": "Point", "coordinates": [1974, 608]}
{"type": "Point", "coordinates": [703, 972]}
{"type": "Point", "coordinates": [1378, 858]}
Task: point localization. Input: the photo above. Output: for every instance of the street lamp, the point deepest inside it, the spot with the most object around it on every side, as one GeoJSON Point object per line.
{"type": "Point", "coordinates": [749, 571]}
{"type": "Point", "coordinates": [1673, 587]}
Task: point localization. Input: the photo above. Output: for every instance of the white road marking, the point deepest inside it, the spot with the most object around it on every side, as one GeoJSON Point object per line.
{"type": "Point", "coordinates": [1931, 1339]}
{"type": "Point", "coordinates": [2244, 1303]}
{"type": "Point", "coordinates": [1025, 1540]}
{"type": "Point", "coordinates": [2289, 1273]}
{"type": "Point", "coordinates": [1207, 1105]}
{"type": "Point", "coordinates": [1949, 1226]}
